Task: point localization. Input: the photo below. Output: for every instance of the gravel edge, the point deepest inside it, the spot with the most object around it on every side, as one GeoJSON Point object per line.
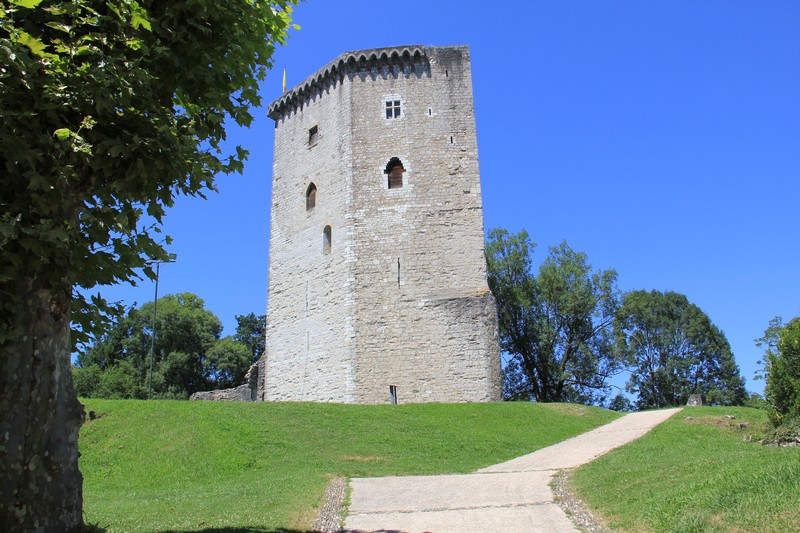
{"type": "Point", "coordinates": [576, 509]}
{"type": "Point", "coordinates": [330, 517]}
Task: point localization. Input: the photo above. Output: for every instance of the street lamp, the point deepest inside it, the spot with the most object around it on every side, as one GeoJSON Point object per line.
{"type": "Point", "coordinates": [170, 259]}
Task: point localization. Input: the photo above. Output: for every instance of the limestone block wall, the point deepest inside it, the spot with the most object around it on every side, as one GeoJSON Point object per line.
{"type": "Point", "coordinates": [402, 298]}
{"type": "Point", "coordinates": [309, 332]}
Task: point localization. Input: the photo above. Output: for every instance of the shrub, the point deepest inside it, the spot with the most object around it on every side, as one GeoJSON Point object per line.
{"type": "Point", "coordinates": [783, 375]}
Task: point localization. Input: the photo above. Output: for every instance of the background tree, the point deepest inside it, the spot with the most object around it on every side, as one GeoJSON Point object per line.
{"type": "Point", "coordinates": [251, 330]}
{"type": "Point", "coordinates": [108, 110]}
{"type": "Point", "coordinates": [782, 362]}
{"type": "Point", "coordinates": [189, 354]}
{"type": "Point", "coordinates": [227, 363]}
{"type": "Point", "coordinates": [556, 326]}
{"type": "Point", "coordinates": [675, 350]}
{"type": "Point", "coordinates": [620, 403]}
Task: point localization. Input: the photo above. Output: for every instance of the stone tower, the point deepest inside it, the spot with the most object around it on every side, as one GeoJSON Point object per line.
{"type": "Point", "coordinates": [377, 278]}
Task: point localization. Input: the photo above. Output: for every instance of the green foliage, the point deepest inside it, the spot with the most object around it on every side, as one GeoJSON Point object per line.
{"type": "Point", "coordinates": [227, 362]}
{"type": "Point", "coordinates": [783, 371]}
{"type": "Point", "coordinates": [620, 403]}
{"type": "Point", "coordinates": [263, 466]}
{"type": "Point", "coordinates": [756, 401]}
{"type": "Point", "coordinates": [675, 350]}
{"type": "Point", "coordinates": [698, 471]}
{"type": "Point", "coordinates": [189, 354]}
{"type": "Point", "coordinates": [556, 325]}
{"type": "Point", "coordinates": [110, 109]}
{"type": "Point", "coordinates": [251, 330]}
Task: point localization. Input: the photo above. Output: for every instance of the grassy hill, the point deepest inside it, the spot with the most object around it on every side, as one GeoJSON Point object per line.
{"type": "Point", "coordinates": [189, 466]}
{"type": "Point", "coordinates": [702, 470]}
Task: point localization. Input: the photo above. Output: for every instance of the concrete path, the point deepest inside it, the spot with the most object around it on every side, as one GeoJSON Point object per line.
{"type": "Point", "coordinates": [509, 497]}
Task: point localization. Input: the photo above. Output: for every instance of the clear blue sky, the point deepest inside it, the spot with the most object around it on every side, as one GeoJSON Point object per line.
{"type": "Point", "coordinates": [661, 138]}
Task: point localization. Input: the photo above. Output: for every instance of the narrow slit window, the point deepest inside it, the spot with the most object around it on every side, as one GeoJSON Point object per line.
{"type": "Point", "coordinates": [394, 172]}
{"type": "Point", "coordinates": [392, 108]}
{"type": "Point", "coordinates": [326, 240]}
{"type": "Point", "coordinates": [311, 197]}
{"type": "Point", "coordinates": [313, 135]}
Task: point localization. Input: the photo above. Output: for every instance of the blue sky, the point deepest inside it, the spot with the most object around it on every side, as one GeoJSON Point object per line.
{"type": "Point", "coordinates": [660, 138]}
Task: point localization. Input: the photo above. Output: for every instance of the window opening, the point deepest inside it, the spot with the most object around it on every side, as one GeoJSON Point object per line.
{"type": "Point", "coordinates": [451, 139]}
{"type": "Point", "coordinates": [394, 171]}
{"type": "Point", "coordinates": [393, 394]}
{"type": "Point", "coordinates": [311, 197]}
{"type": "Point", "coordinates": [313, 135]}
{"type": "Point", "coordinates": [398, 271]}
{"type": "Point", "coordinates": [430, 112]}
{"type": "Point", "coordinates": [392, 108]}
{"type": "Point", "coordinates": [326, 240]}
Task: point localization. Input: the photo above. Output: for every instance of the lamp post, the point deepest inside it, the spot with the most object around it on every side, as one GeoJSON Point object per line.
{"type": "Point", "coordinates": [171, 259]}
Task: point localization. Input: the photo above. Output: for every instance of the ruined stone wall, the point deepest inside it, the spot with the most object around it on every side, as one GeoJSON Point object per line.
{"type": "Point", "coordinates": [402, 299]}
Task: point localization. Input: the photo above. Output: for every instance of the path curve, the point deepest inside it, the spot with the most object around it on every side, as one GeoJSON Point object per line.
{"type": "Point", "coordinates": [513, 496]}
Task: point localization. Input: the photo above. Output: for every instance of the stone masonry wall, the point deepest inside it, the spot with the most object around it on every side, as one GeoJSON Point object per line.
{"type": "Point", "coordinates": [309, 355]}
{"type": "Point", "coordinates": [402, 298]}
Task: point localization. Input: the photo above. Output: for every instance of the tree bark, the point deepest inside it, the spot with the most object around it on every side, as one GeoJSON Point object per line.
{"type": "Point", "coordinates": [41, 486]}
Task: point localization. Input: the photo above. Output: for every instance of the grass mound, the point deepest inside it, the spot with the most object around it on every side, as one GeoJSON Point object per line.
{"type": "Point", "coordinates": [702, 470]}
{"type": "Point", "coordinates": [189, 466]}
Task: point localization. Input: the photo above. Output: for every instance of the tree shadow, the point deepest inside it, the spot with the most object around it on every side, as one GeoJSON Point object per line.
{"type": "Point", "coordinates": [91, 528]}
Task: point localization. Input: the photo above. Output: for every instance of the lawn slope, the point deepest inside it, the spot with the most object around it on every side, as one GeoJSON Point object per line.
{"type": "Point", "coordinates": [188, 466]}
{"type": "Point", "coordinates": [697, 472]}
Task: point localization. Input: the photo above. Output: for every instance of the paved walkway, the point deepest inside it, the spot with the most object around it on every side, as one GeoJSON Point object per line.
{"type": "Point", "coordinates": [509, 497]}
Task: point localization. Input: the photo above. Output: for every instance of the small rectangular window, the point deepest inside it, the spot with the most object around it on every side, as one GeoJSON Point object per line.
{"type": "Point", "coordinates": [313, 135]}
{"type": "Point", "coordinates": [392, 109]}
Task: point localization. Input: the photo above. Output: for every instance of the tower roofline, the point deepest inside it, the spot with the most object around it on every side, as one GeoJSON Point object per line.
{"type": "Point", "coordinates": [354, 61]}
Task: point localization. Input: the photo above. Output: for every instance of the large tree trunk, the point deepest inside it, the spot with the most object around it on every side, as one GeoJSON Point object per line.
{"type": "Point", "coordinates": [40, 484]}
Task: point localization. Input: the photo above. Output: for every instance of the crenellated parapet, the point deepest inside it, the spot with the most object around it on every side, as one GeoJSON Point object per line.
{"type": "Point", "coordinates": [406, 59]}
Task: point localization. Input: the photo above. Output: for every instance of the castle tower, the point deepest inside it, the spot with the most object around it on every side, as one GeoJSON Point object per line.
{"type": "Point", "coordinates": [377, 278]}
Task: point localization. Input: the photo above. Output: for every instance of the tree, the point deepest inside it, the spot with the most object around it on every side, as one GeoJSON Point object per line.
{"type": "Point", "coordinates": [556, 326]}
{"type": "Point", "coordinates": [782, 361]}
{"type": "Point", "coordinates": [189, 354]}
{"type": "Point", "coordinates": [109, 110]}
{"type": "Point", "coordinates": [675, 350]}
{"type": "Point", "coordinates": [251, 330]}
{"type": "Point", "coordinates": [227, 363]}
{"type": "Point", "coordinates": [620, 403]}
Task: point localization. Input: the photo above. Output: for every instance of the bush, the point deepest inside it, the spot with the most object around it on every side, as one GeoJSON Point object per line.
{"type": "Point", "coordinates": [783, 375]}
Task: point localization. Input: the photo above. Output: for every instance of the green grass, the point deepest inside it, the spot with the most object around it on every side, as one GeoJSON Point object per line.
{"type": "Point", "coordinates": [697, 474]}
{"type": "Point", "coordinates": [187, 466]}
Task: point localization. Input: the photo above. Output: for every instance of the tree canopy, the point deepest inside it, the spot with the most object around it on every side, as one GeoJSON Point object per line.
{"type": "Point", "coordinates": [675, 350]}
{"type": "Point", "coordinates": [189, 354]}
{"type": "Point", "coordinates": [110, 110]}
{"type": "Point", "coordinates": [554, 325]}
{"type": "Point", "coordinates": [782, 364]}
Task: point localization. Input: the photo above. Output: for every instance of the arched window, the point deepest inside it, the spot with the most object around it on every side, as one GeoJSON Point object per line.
{"type": "Point", "coordinates": [394, 172]}
{"type": "Point", "coordinates": [311, 197]}
{"type": "Point", "coordinates": [326, 240]}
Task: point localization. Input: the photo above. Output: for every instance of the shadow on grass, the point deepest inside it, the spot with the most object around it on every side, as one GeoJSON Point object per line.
{"type": "Point", "coordinates": [237, 530]}
{"type": "Point", "coordinates": [97, 529]}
